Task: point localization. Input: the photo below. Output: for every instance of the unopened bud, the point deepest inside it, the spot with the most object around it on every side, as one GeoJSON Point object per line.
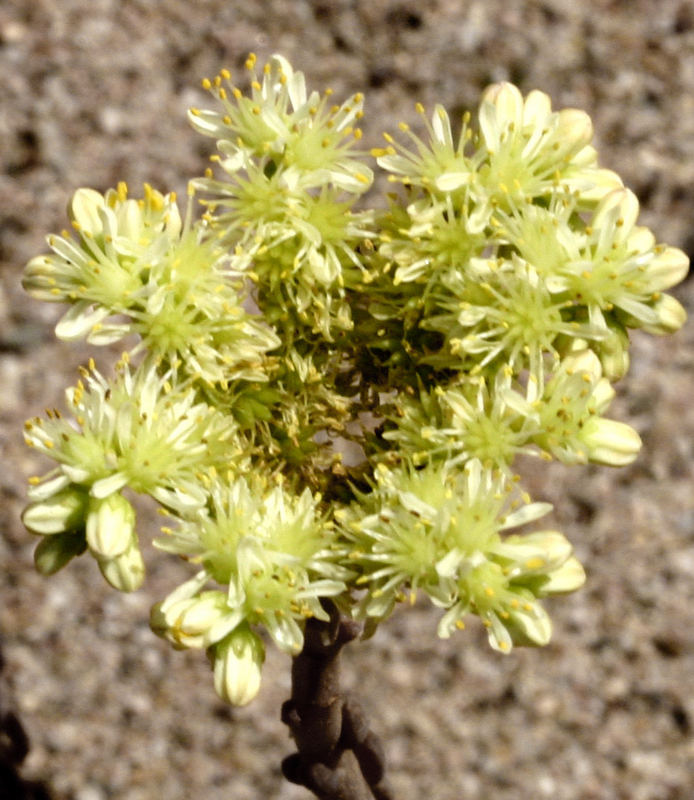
{"type": "Point", "coordinates": [670, 314]}
{"type": "Point", "coordinates": [110, 525]}
{"type": "Point", "coordinates": [609, 442]}
{"type": "Point", "coordinates": [238, 660]}
{"type": "Point", "coordinates": [125, 572]}
{"type": "Point", "coordinates": [54, 552]}
{"type": "Point", "coordinates": [64, 511]}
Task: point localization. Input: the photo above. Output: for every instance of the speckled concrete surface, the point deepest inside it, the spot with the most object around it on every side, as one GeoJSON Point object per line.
{"type": "Point", "coordinates": [95, 91]}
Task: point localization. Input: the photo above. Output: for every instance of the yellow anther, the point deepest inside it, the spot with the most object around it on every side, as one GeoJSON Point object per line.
{"type": "Point", "coordinates": [222, 93]}
{"type": "Point", "coordinates": [255, 85]}
{"type": "Point", "coordinates": [403, 126]}
{"type": "Point", "coordinates": [250, 61]}
{"type": "Point", "coordinates": [195, 111]}
{"type": "Point", "coordinates": [206, 84]}
{"type": "Point", "coordinates": [419, 108]}
{"type": "Point", "coordinates": [535, 563]}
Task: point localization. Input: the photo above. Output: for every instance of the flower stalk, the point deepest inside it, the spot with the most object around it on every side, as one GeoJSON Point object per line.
{"type": "Point", "coordinates": [339, 757]}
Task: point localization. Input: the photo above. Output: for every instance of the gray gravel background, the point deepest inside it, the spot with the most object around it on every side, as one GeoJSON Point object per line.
{"type": "Point", "coordinates": [95, 91]}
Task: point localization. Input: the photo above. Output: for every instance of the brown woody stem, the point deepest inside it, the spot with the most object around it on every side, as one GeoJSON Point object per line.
{"type": "Point", "coordinates": [339, 757]}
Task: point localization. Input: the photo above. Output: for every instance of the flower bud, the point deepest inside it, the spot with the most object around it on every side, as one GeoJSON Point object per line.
{"type": "Point", "coordinates": [64, 511]}
{"type": "Point", "coordinates": [529, 625]}
{"type": "Point", "coordinates": [609, 442]}
{"type": "Point", "coordinates": [613, 352]}
{"type": "Point", "coordinates": [110, 525]}
{"type": "Point", "coordinates": [125, 572]}
{"type": "Point", "coordinates": [186, 622]}
{"type": "Point", "coordinates": [669, 266]}
{"type": "Point", "coordinates": [582, 361]}
{"type": "Point", "coordinates": [537, 553]}
{"type": "Point", "coordinates": [670, 316]}
{"type": "Point", "coordinates": [237, 663]}
{"type": "Point", "coordinates": [39, 279]}
{"type": "Point", "coordinates": [54, 552]}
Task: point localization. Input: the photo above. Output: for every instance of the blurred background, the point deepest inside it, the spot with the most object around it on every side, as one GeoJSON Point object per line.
{"type": "Point", "coordinates": [95, 91]}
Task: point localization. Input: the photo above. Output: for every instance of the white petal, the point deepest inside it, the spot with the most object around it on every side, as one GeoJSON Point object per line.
{"type": "Point", "coordinates": [84, 210]}
{"type": "Point", "coordinates": [569, 577]}
{"type": "Point", "coordinates": [535, 624]}
{"type": "Point", "coordinates": [79, 320]}
{"type": "Point", "coordinates": [450, 181]}
{"type": "Point", "coordinates": [45, 489]}
{"type": "Point", "coordinates": [525, 514]}
{"type": "Point", "coordinates": [441, 126]}
{"type": "Point", "coordinates": [536, 108]}
{"type": "Point", "coordinates": [184, 591]}
{"type": "Point", "coordinates": [107, 486]}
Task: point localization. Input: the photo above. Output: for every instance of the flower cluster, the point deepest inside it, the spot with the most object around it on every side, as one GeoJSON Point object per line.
{"type": "Point", "coordinates": [517, 271]}
{"type": "Point", "coordinates": [140, 431]}
{"type": "Point", "coordinates": [438, 530]}
{"type": "Point", "coordinates": [173, 284]}
{"type": "Point", "coordinates": [329, 403]}
{"type": "Point", "coordinates": [273, 553]}
{"type": "Point", "coordinates": [291, 178]}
